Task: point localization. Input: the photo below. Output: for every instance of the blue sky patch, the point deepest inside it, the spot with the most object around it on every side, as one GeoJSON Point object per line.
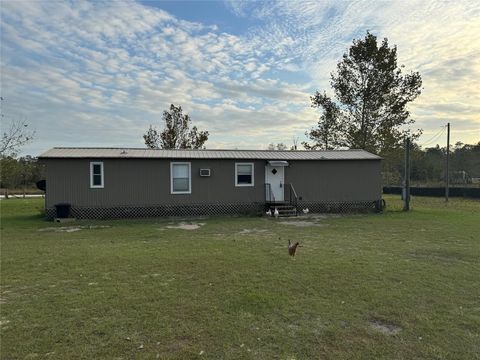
{"type": "Point", "coordinates": [99, 73]}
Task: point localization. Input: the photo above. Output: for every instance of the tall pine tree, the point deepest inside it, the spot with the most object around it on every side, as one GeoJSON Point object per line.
{"type": "Point", "coordinates": [371, 94]}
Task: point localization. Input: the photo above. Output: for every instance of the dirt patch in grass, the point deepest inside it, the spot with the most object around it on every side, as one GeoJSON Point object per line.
{"type": "Point", "coordinates": [309, 220]}
{"type": "Point", "coordinates": [252, 231]}
{"type": "Point", "coordinates": [318, 217]}
{"type": "Point", "coordinates": [69, 229]}
{"type": "Point", "coordinates": [443, 255]}
{"type": "Point", "coordinates": [301, 223]}
{"type": "Point", "coordinates": [185, 226]}
{"type": "Point", "coordinates": [151, 275]}
{"type": "Point", "coordinates": [2, 297]}
{"type": "Point", "coordinates": [385, 327]}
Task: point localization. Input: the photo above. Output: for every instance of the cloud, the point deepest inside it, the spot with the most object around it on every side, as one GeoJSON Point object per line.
{"type": "Point", "coordinates": [99, 73]}
{"type": "Point", "coordinates": [438, 39]}
{"type": "Point", "coordinates": [123, 70]}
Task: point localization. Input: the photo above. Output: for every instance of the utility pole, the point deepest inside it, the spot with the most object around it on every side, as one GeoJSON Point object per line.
{"type": "Point", "coordinates": [406, 189]}
{"type": "Point", "coordinates": [447, 171]}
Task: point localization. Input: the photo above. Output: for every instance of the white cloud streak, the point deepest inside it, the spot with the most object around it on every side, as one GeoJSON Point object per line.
{"type": "Point", "coordinates": [437, 38]}
{"type": "Point", "coordinates": [99, 73]}
{"type": "Point", "coordinates": [123, 64]}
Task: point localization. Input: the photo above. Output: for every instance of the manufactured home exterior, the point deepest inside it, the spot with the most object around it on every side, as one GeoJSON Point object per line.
{"type": "Point", "coordinates": [116, 183]}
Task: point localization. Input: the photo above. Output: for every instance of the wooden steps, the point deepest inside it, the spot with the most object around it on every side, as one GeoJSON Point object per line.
{"type": "Point", "coordinates": [284, 210]}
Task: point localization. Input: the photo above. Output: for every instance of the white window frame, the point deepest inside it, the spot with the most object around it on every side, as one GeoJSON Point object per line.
{"type": "Point", "coordinates": [209, 172]}
{"type": "Point", "coordinates": [236, 173]}
{"type": "Point", "coordinates": [92, 186]}
{"type": "Point", "coordinates": [189, 178]}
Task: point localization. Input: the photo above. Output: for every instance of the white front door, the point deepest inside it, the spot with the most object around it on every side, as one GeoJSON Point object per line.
{"type": "Point", "coordinates": [275, 176]}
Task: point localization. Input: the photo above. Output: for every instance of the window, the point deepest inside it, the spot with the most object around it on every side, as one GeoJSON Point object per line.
{"type": "Point", "coordinates": [180, 178]}
{"type": "Point", "coordinates": [96, 174]}
{"type": "Point", "coordinates": [243, 174]}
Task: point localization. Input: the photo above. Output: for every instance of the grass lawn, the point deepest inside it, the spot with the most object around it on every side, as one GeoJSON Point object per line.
{"type": "Point", "coordinates": [379, 286]}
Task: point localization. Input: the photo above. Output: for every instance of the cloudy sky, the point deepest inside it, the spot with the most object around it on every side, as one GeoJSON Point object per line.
{"type": "Point", "coordinates": [97, 74]}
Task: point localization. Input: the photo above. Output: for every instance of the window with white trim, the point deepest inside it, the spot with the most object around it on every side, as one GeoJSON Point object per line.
{"type": "Point", "coordinates": [243, 174]}
{"type": "Point", "coordinates": [180, 178]}
{"type": "Point", "coordinates": [96, 174]}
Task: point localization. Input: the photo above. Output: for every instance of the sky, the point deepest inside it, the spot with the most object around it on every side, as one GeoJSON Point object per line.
{"type": "Point", "coordinates": [99, 73]}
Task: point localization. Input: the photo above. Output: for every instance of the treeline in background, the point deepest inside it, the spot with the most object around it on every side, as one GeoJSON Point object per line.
{"type": "Point", "coordinates": [20, 175]}
{"type": "Point", "coordinates": [428, 166]}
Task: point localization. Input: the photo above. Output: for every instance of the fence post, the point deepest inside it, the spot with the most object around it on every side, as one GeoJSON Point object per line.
{"type": "Point", "coordinates": [447, 172]}
{"type": "Point", "coordinates": [406, 192]}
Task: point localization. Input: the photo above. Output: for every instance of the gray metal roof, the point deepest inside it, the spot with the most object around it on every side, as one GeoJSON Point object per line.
{"type": "Point", "coordinates": [95, 153]}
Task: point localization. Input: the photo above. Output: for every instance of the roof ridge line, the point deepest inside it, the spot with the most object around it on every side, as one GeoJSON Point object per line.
{"type": "Point", "coordinates": [147, 149]}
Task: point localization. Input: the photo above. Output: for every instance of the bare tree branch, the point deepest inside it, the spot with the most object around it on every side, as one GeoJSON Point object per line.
{"type": "Point", "coordinates": [15, 136]}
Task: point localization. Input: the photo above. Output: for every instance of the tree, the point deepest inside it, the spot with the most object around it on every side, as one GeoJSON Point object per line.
{"type": "Point", "coordinates": [428, 165]}
{"type": "Point", "coordinates": [14, 136]}
{"type": "Point", "coordinates": [22, 172]}
{"type": "Point", "coordinates": [295, 143]}
{"type": "Point", "coordinates": [10, 174]}
{"type": "Point", "coordinates": [177, 133]}
{"type": "Point", "coordinates": [369, 109]}
{"type": "Point", "coordinates": [327, 135]}
{"type": "Point", "coordinates": [151, 138]}
{"type": "Point", "coordinates": [279, 146]}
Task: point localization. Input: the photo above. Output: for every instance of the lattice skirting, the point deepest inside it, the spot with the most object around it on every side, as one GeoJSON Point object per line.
{"type": "Point", "coordinates": [119, 212]}
{"type": "Point", "coordinates": [340, 206]}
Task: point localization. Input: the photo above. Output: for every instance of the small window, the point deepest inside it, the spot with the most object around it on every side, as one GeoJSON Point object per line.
{"type": "Point", "coordinates": [96, 174]}
{"type": "Point", "coordinates": [180, 178]}
{"type": "Point", "coordinates": [244, 174]}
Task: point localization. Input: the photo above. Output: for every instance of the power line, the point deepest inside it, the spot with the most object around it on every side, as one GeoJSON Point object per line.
{"type": "Point", "coordinates": [435, 137]}
{"type": "Point", "coordinates": [442, 129]}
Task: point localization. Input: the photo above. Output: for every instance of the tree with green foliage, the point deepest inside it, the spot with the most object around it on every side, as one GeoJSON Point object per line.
{"type": "Point", "coordinates": [15, 134]}
{"type": "Point", "coordinates": [19, 173]}
{"type": "Point", "coordinates": [279, 147]}
{"type": "Point", "coordinates": [371, 94]}
{"type": "Point", "coordinates": [10, 176]}
{"type": "Point", "coordinates": [177, 133]}
{"type": "Point", "coordinates": [327, 135]}
{"type": "Point", "coordinates": [428, 165]}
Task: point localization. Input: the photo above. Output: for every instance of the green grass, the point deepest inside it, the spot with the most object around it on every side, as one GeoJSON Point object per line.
{"type": "Point", "coordinates": [139, 290]}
